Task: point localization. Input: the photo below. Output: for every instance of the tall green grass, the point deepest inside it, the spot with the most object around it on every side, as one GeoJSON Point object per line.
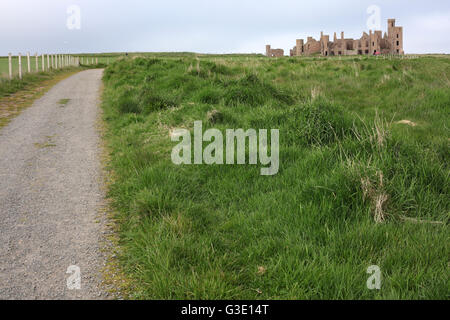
{"type": "Point", "coordinates": [355, 188]}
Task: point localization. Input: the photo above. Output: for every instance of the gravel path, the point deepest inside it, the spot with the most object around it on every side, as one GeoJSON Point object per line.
{"type": "Point", "coordinates": [51, 193]}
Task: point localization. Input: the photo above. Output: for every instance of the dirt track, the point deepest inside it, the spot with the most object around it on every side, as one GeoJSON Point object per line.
{"type": "Point", "coordinates": [50, 194]}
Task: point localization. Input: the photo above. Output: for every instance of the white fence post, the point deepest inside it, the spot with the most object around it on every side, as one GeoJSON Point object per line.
{"type": "Point", "coordinates": [20, 66]}
{"type": "Point", "coordinates": [43, 63]}
{"type": "Point", "coordinates": [96, 60]}
{"type": "Point", "coordinates": [37, 62]}
{"type": "Point", "coordinates": [10, 66]}
{"type": "Point", "coordinates": [28, 62]}
{"type": "Point", "coordinates": [48, 62]}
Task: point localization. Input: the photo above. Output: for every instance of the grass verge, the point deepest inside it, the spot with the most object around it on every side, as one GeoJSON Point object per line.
{"type": "Point", "coordinates": [357, 185]}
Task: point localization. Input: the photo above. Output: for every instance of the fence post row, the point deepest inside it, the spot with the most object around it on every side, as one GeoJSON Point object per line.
{"type": "Point", "coordinates": [49, 62]}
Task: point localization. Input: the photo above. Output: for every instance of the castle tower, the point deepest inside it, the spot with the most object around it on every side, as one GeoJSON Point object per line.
{"type": "Point", "coordinates": [300, 43]}
{"type": "Point", "coordinates": [395, 37]}
{"type": "Point", "coordinates": [268, 50]}
{"type": "Point", "coordinates": [324, 41]}
{"type": "Point", "coordinates": [391, 23]}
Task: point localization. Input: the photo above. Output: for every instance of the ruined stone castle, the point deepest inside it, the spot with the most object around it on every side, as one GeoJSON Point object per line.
{"type": "Point", "coordinates": [274, 52]}
{"type": "Point", "coordinates": [369, 44]}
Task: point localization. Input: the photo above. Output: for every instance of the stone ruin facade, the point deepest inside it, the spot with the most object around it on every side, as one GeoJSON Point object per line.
{"type": "Point", "coordinates": [274, 52]}
{"type": "Point", "coordinates": [373, 43]}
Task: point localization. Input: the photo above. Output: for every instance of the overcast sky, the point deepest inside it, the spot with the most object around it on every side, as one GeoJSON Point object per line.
{"type": "Point", "coordinates": [209, 26]}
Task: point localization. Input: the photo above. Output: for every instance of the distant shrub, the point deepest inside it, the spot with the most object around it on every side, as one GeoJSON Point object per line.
{"type": "Point", "coordinates": [244, 95]}
{"type": "Point", "coordinates": [146, 62]}
{"type": "Point", "coordinates": [209, 95]}
{"type": "Point", "coordinates": [319, 123]}
{"type": "Point", "coordinates": [216, 68]}
{"type": "Point", "coordinates": [128, 103]}
{"type": "Point", "coordinates": [252, 91]}
{"type": "Point", "coordinates": [151, 101]}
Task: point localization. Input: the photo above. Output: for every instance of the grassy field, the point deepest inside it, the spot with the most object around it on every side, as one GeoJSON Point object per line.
{"type": "Point", "coordinates": [363, 179]}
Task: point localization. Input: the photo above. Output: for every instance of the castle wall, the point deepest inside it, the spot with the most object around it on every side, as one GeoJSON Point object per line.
{"type": "Point", "coordinates": [312, 46]}
{"type": "Point", "coordinates": [274, 52]}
